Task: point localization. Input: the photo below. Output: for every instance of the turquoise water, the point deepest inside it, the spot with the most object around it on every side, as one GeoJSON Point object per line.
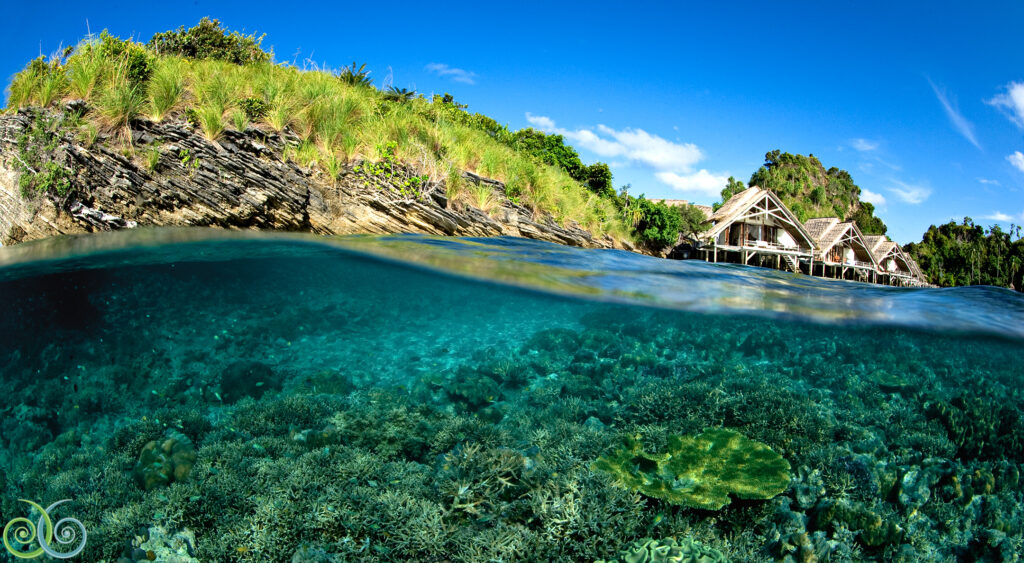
{"type": "Point", "coordinates": [209, 396]}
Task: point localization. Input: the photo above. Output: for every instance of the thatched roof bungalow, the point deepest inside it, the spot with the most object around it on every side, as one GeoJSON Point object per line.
{"type": "Point", "coordinates": [753, 227]}
{"type": "Point", "coordinates": [896, 267]}
{"type": "Point", "coordinates": [842, 250]}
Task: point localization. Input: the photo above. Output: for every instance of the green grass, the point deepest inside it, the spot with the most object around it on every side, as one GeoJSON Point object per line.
{"type": "Point", "coordinates": [166, 87]}
{"type": "Point", "coordinates": [336, 122]}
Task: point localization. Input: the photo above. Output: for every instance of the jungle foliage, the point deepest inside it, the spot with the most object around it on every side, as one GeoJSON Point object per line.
{"type": "Point", "coordinates": [810, 191]}
{"type": "Point", "coordinates": [968, 254]}
{"type": "Point", "coordinates": [209, 40]}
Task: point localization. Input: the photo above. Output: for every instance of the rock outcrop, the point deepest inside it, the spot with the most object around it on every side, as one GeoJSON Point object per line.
{"type": "Point", "coordinates": [170, 175]}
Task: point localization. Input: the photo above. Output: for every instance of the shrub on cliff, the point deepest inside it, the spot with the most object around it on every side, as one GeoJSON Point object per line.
{"type": "Point", "coordinates": [209, 40]}
{"type": "Point", "coordinates": [659, 225]}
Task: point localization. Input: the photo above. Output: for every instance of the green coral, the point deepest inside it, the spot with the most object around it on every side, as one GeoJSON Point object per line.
{"type": "Point", "coordinates": [700, 471]}
{"type": "Point", "coordinates": [648, 550]}
{"type": "Point", "coordinates": [981, 427]}
{"type": "Point", "coordinates": [162, 463]}
{"type": "Point", "coordinates": [872, 529]}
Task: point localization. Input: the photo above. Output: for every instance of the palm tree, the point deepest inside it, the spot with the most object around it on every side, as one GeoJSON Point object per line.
{"type": "Point", "coordinates": [399, 95]}
{"type": "Point", "coordinates": [356, 76]}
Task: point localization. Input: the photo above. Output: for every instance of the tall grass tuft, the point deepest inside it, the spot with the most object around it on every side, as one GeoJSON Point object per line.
{"type": "Point", "coordinates": [482, 197]}
{"type": "Point", "coordinates": [52, 87]}
{"type": "Point", "coordinates": [86, 69]}
{"type": "Point", "coordinates": [333, 164]}
{"type": "Point", "coordinates": [40, 83]}
{"type": "Point", "coordinates": [239, 120]}
{"type": "Point", "coordinates": [120, 103]}
{"type": "Point", "coordinates": [454, 184]}
{"type": "Point", "coordinates": [166, 87]}
{"type": "Point", "coordinates": [211, 121]}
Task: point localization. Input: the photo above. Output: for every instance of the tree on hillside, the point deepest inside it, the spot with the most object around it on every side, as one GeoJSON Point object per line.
{"type": "Point", "coordinates": [659, 225]}
{"type": "Point", "coordinates": [967, 254]}
{"type": "Point", "coordinates": [732, 187]}
{"type": "Point", "coordinates": [809, 190]}
{"type": "Point", "coordinates": [209, 40]}
{"type": "Point", "coordinates": [549, 149]}
{"type": "Point", "coordinates": [598, 179]}
{"type": "Point", "coordinates": [693, 221]}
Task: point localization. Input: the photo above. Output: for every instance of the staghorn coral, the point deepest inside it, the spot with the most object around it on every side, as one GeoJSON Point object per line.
{"type": "Point", "coordinates": [700, 471]}
{"type": "Point", "coordinates": [649, 550]}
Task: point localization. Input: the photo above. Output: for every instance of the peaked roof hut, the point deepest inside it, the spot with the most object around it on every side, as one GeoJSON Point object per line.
{"type": "Point", "coordinates": [897, 267]}
{"type": "Point", "coordinates": [842, 246]}
{"type": "Point", "coordinates": [754, 225]}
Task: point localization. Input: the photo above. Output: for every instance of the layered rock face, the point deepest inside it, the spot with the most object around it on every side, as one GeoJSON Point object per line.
{"type": "Point", "coordinates": [170, 175]}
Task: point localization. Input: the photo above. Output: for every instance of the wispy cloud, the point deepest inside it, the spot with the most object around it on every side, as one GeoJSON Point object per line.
{"type": "Point", "coordinates": [989, 182]}
{"type": "Point", "coordinates": [1017, 160]}
{"type": "Point", "coordinates": [998, 216]}
{"type": "Point", "coordinates": [864, 145]}
{"type": "Point", "coordinates": [1011, 102]}
{"type": "Point", "coordinates": [456, 74]}
{"type": "Point", "coordinates": [873, 198]}
{"type": "Point", "coordinates": [632, 144]}
{"type": "Point", "coordinates": [672, 162]}
{"type": "Point", "coordinates": [701, 182]}
{"type": "Point", "coordinates": [959, 122]}
{"type": "Point", "coordinates": [909, 193]}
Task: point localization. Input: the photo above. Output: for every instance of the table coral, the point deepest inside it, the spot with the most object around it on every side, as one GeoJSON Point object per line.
{"type": "Point", "coordinates": [700, 471]}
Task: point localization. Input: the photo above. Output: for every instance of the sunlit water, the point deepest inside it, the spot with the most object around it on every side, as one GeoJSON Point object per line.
{"type": "Point", "coordinates": [208, 396]}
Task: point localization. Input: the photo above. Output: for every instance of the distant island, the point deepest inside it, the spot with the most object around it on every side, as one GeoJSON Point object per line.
{"type": "Point", "coordinates": [199, 126]}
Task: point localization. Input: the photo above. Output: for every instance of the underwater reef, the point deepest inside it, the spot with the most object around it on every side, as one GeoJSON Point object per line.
{"type": "Point", "coordinates": [197, 416]}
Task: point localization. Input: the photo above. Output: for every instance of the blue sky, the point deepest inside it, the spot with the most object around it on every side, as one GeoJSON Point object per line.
{"type": "Point", "coordinates": [923, 104]}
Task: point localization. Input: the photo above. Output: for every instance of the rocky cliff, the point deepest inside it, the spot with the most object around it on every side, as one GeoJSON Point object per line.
{"type": "Point", "coordinates": [169, 175]}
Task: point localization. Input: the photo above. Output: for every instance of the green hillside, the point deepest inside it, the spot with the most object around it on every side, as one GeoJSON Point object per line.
{"type": "Point", "coordinates": [811, 191]}
{"type": "Point", "coordinates": [217, 80]}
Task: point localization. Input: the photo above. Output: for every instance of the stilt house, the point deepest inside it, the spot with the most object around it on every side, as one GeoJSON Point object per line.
{"type": "Point", "coordinates": [895, 267]}
{"type": "Point", "coordinates": [755, 228]}
{"type": "Point", "coordinates": [842, 250]}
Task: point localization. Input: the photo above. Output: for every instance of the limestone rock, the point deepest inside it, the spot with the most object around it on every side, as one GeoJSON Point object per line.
{"type": "Point", "coordinates": [237, 182]}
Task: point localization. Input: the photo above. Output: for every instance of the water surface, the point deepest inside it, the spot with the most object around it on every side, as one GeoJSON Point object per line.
{"type": "Point", "coordinates": [412, 398]}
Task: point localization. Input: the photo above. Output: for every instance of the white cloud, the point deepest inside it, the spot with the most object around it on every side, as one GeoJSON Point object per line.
{"type": "Point", "coordinates": [873, 198]}
{"type": "Point", "coordinates": [1011, 103]}
{"type": "Point", "coordinates": [541, 122]}
{"type": "Point", "coordinates": [636, 145]}
{"type": "Point", "coordinates": [998, 216]}
{"type": "Point", "coordinates": [701, 183]}
{"type": "Point", "coordinates": [456, 74]}
{"type": "Point", "coordinates": [864, 145]}
{"type": "Point", "coordinates": [989, 182]}
{"type": "Point", "coordinates": [960, 123]}
{"type": "Point", "coordinates": [1017, 160]}
{"type": "Point", "coordinates": [910, 193]}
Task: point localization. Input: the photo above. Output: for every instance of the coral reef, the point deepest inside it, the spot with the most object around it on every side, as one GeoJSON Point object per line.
{"type": "Point", "coordinates": [700, 471]}
{"type": "Point", "coordinates": [665, 551]}
{"type": "Point", "coordinates": [436, 420]}
{"type": "Point", "coordinates": [164, 462]}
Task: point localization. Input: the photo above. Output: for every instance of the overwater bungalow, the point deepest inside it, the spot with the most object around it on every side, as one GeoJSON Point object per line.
{"type": "Point", "coordinates": [895, 266]}
{"type": "Point", "coordinates": [842, 251]}
{"type": "Point", "coordinates": [754, 227]}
